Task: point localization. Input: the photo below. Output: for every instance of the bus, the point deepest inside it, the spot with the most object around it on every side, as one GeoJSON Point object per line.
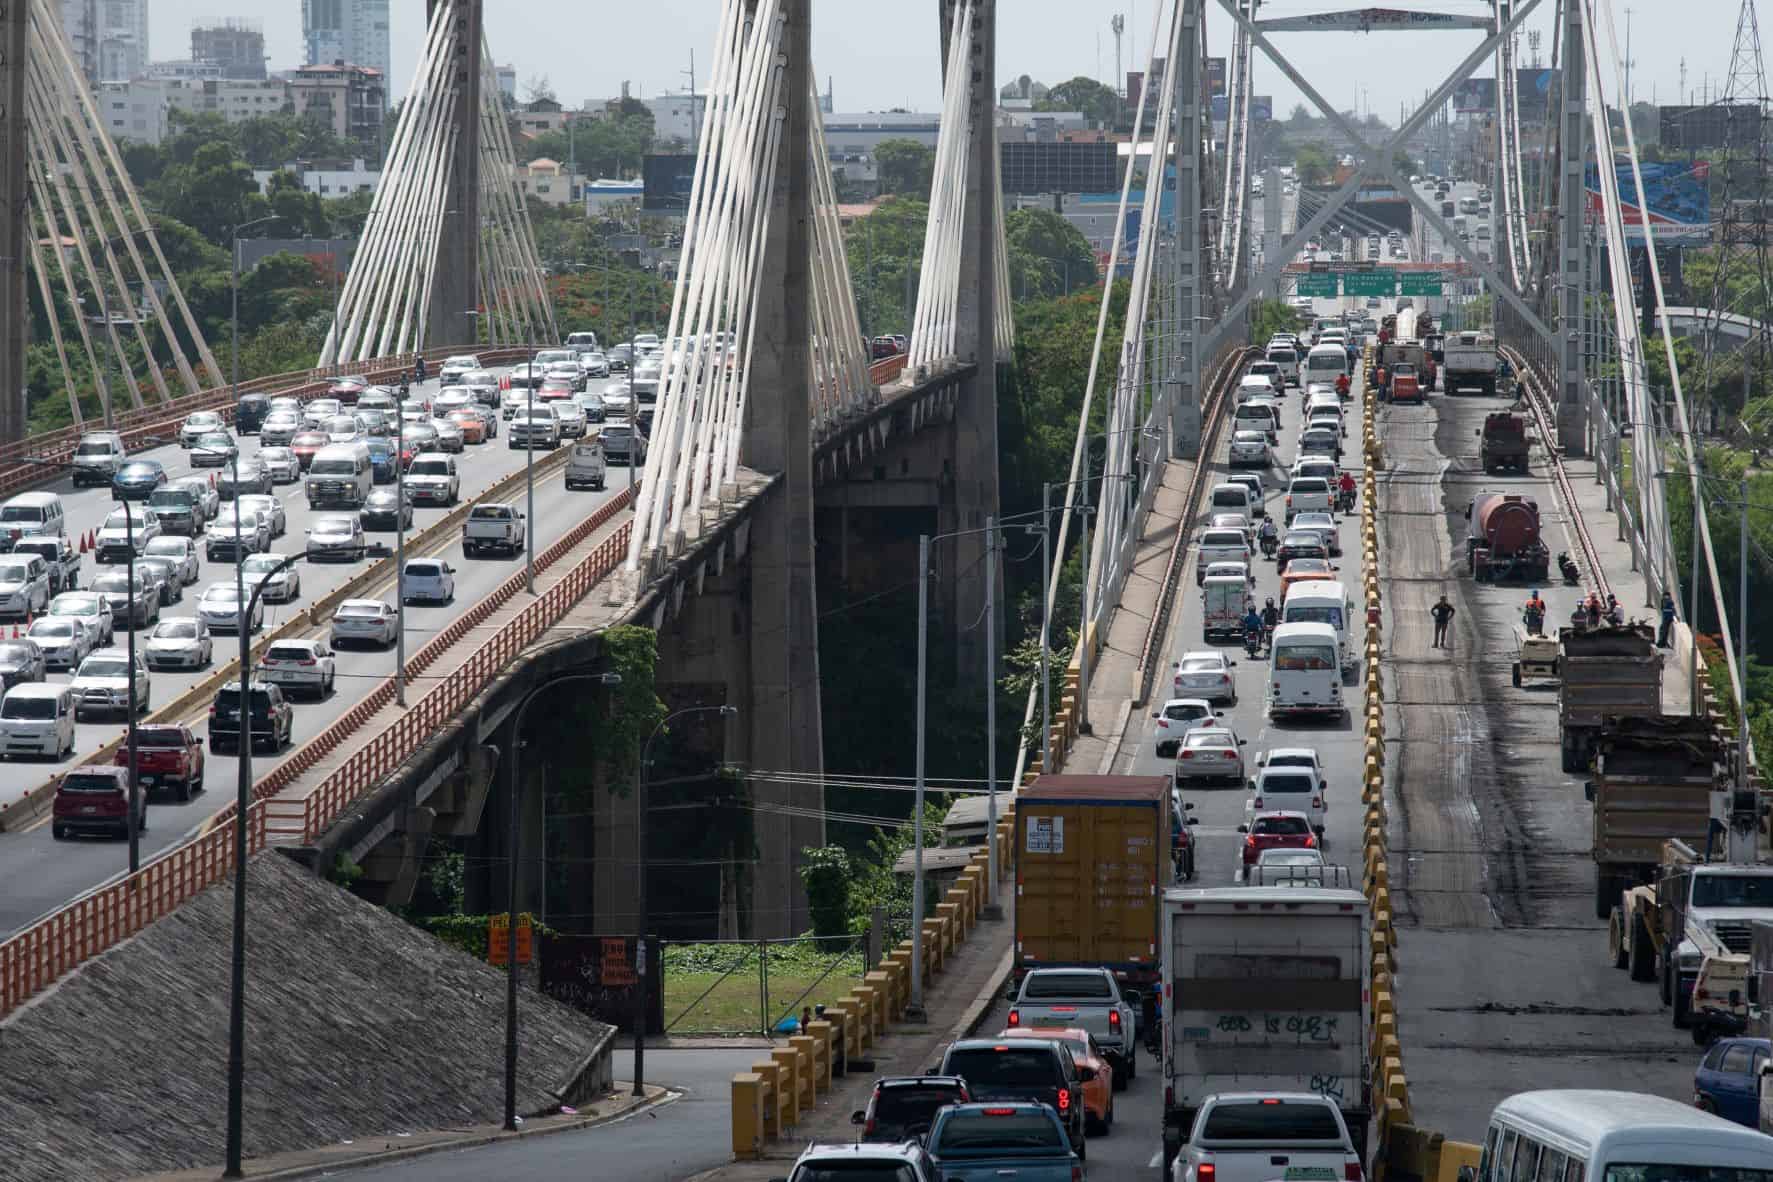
{"type": "Point", "coordinates": [1602, 1136]}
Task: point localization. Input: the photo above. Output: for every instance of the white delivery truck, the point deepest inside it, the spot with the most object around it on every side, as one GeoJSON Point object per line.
{"type": "Point", "coordinates": [1267, 989]}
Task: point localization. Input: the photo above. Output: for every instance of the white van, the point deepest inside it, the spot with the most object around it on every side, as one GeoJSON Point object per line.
{"type": "Point", "coordinates": [581, 340]}
{"type": "Point", "coordinates": [97, 457]}
{"type": "Point", "coordinates": [587, 467]}
{"type": "Point", "coordinates": [1231, 498]}
{"type": "Point", "coordinates": [32, 515]}
{"type": "Point", "coordinates": [1326, 363]}
{"type": "Point", "coordinates": [1223, 601]}
{"type": "Point", "coordinates": [1287, 360]}
{"type": "Point", "coordinates": [1304, 671]}
{"type": "Point", "coordinates": [37, 718]}
{"type": "Point", "coordinates": [1319, 601]}
{"type": "Point", "coordinates": [1602, 1136]}
{"type": "Point", "coordinates": [1255, 385]}
{"type": "Point", "coordinates": [340, 474]}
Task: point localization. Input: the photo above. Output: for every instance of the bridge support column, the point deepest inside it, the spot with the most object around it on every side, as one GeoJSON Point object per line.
{"type": "Point", "coordinates": [1185, 410]}
{"type": "Point", "coordinates": [15, 310]}
{"type": "Point", "coordinates": [456, 290]}
{"type": "Point", "coordinates": [781, 715]}
{"type": "Point", "coordinates": [1572, 269]}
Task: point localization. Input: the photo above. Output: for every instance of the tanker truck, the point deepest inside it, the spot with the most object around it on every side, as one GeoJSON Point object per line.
{"type": "Point", "coordinates": [1502, 539]}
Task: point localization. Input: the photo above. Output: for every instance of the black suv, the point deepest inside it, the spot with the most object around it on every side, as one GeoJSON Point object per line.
{"type": "Point", "coordinates": [902, 1107]}
{"type": "Point", "coordinates": [250, 412]}
{"type": "Point", "coordinates": [1023, 1069]}
{"type": "Point", "coordinates": [273, 720]}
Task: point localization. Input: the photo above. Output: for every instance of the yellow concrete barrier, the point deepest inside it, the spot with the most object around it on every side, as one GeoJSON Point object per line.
{"type": "Point", "coordinates": [788, 1060]}
{"type": "Point", "coordinates": [748, 1096]}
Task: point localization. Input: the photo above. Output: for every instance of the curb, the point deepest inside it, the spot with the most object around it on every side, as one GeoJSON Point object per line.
{"type": "Point", "coordinates": [974, 1015]}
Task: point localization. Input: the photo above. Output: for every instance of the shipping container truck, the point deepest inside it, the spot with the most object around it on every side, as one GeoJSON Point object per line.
{"type": "Point", "coordinates": [1266, 989]}
{"type": "Point", "coordinates": [1092, 860]}
{"type": "Point", "coordinates": [1653, 781]}
{"type": "Point", "coordinates": [1613, 671]}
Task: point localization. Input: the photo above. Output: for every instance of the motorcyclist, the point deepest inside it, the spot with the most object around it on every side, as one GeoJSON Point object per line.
{"type": "Point", "coordinates": [1533, 613]}
{"type": "Point", "coordinates": [1345, 486]}
{"type": "Point", "coordinates": [1252, 627]}
{"type": "Point", "coordinates": [1270, 616]}
{"type": "Point", "coordinates": [419, 369]}
{"type": "Point", "coordinates": [1342, 385]}
{"type": "Point", "coordinates": [1267, 536]}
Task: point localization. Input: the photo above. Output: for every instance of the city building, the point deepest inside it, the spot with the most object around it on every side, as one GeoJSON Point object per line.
{"type": "Point", "coordinates": [325, 178]}
{"type": "Point", "coordinates": [677, 118]}
{"type": "Point", "coordinates": [507, 79]}
{"type": "Point", "coordinates": [549, 182]}
{"type": "Point", "coordinates": [859, 135]}
{"type": "Point", "coordinates": [351, 98]}
{"type": "Point", "coordinates": [350, 31]}
{"type": "Point", "coordinates": [611, 195]}
{"type": "Point", "coordinates": [141, 108]}
{"type": "Point", "coordinates": [184, 69]}
{"type": "Point", "coordinates": [236, 45]}
{"type": "Point", "coordinates": [540, 116]}
{"type": "Point", "coordinates": [109, 38]}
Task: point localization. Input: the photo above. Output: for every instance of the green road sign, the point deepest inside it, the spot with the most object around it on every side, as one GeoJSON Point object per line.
{"type": "Point", "coordinates": [1419, 283]}
{"type": "Point", "coordinates": [1373, 283]}
{"type": "Point", "coordinates": [1322, 286]}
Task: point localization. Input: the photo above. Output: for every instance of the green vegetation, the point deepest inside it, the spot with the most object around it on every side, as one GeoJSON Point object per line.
{"type": "Point", "coordinates": [904, 167]}
{"type": "Point", "coordinates": [1314, 164]}
{"type": "Point", "coordinates": [1098, 103]}
{"type": "Point", "coordinates": [717, 988]}
{"type": "Point", "coordinates": [612, 147]}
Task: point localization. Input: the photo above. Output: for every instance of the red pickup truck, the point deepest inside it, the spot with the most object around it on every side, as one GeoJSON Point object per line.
{"type": "Point", "coordinates": [168, 757]}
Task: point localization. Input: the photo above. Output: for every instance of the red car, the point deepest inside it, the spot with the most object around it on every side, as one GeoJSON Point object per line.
{"type": "Point", "coordinates": [306, 443]}
{"type": "Point", "coordinates": [1277, 831]}
{"type": "Point", "coordinates": [167, 757]}
{"type": "Point", "coordinates": [95, 799]}
{"type": "Point", "coordinates": [346, 389]}
{"type": "Point", "coordinates": [554, 390]}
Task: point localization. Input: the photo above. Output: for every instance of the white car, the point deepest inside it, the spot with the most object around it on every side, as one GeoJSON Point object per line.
{"type": "Point", "coordinates": [281, 463]}
{"type": "Point", "coordinates": [1205, 674]}
{"type": "Point", "coordinates": [455, 367]}
{"type": "Point", "coordinates": [1307, 494]}
{"type": "Point", "coordinates": [451, 398]}
{"type": "Point", "coordinates": [293, 665]}
{"type": "Point", "coordinates": [316, 413]}
{"type": "Point", "coordinates": [571, 417]}
{"type": "Point", "coordinates": [114, 536]}
{"type": "Point", "coordinates": [1292, 867]}
{"type": "Point", "coordinates": [1177, 718]}
{"type": "Point", "coordinates": [1210, 755]}
{"type": "Point", "coordinates": [1230, 570]}
{"type": "Point", "coordinates": [270, 511]}
{"type": "Point", "coordinates": [337, 536]}
{"type": "Point", "coordinates": [1250, 449]}
{"type": "Point", "coordinates": [1288, 789]}
{"type": "Point", "coordinates": [594, 364]}
{"type": "Point", "coordinates": [219, 606]}
{"type": "Point", "coordinates": [431, 479]}
{"type": "Point", "coordinates": [282, 587]}
{"type": "Point", "coordinates": [1221, 545]}
{"type": "Point", "coordinates": [102, 684]}
{"type": "Point", "coordinates": [181, 551]}
{"type": "Point", "coordinates": [1255, 386]}
{"type": "Point", "coordinates": [182, 642]}
{"type": "Point", "coordinates": [24, 585]}
{"type": "Point", "coordinates": [1323, 525]}
{"type": "Point", "coordinates": [1305, 757]}
{"type": "Point", "coordinates": [428, 580]}
{"type": "Point", "coordinates": [65, 640]}
{"type": "Point", "coordinates": [514, 402]}
{"type": "Point", "coordinates": [365, 621]}
{"type": "Point", "coordinates": [279, 427]}
{"type": "Point", "coordinates": [198, 424]}
{"type": "Point", "coordinates": [449, 435]}
{"type": "Point", "coordinates": [90, 608]}
{"type": "Point", "coordinates": [223, 536]}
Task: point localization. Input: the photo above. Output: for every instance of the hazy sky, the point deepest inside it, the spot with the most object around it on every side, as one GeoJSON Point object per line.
{"type": "Point", "coordinates": [884, 55]}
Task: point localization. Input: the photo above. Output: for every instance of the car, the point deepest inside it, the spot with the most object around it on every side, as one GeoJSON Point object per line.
{"type": "Point", "coordinates": [494, 527]}
{"type": "Point", "coordinates": [1178, 717]}
{"type": "Point", "coordinates": [102, 684]}
{"type": "Point", "coordinates": [617, 404]}
{"type": "Point", "coordinates": [281, 580]}
{"type": "Point", "coordinates": [451, 398]}
{"type": "Point", "coordinates": [168, 757]}
{"type": "Point", "coordinates": [24, 585]}
{"type": "Point", "coordinates": [336, 535]}
{"type": "Point", "coordinates": [59, 555]}
{"type": "Point", "coordinates": [305, 444]}
{"type": "Point", "coordinates": [594, 364]}
{"type": "Point", "coordinates": [91, 608]}
{"type": "Point", "coordinates": [449, 436]}
{"type": "Point", "coordinates": [136, 480]}
{"type": "Point", "coordinates": [270, 510]}
{"type": "Point", "coordinates": [167, 576]}
{"type": "Point", "coordinates": [488, 417]}
{"type": "Point", "coordinates": [348, 388]}
{"type": "Point", "coordinates": [214, 449]}
{"type": "Point", "coordinates": [1099, 1082]}
{"type": "Point", "coordinates": [1278, 829]}
{"type": "Point", "coordinates": [1020, 1070]}
{"type": "Point", "coordinates": [180, 552]}
{"type": "Point", "coordinates": [21, 660]}
{"type": "Point", "coordinates": [428, 580]}
{"type": "Point", "coordinates": [1301, 569]}
{"type": "Point", "coordinates": [1308, 493]}
{"type": "Point", "coordinates": [128, 528]}
{"type": "Point", "coordinates": [432, 479]}
{"type": "Point", "coordinates": [417, 437]}
{"type": "Point", "coordinates": [95, 798]}
{"type": "Point", "coordinates": [1319, 523]}
{"type": "Point", "coordinates": [279, 428]}
{"type": "Point", "coordinates": [468, 424]}
{"type": "Point", "coordinates": [1209, 754]}
{"type": "Point", "coordinates": [453, 368]}
{"type": "Point", "coordinates": [526, 375]}
{"type": "Point", "coordinates": [373, 424]}
{"type": "Point", "coordinates": [202, 489]}
{"type": "Point", "coordinates": [1289, 789]}
{"type": "Point", "coordinates": [273, 722]}
{"type": "Point", "coordinates": [317, 412]}
{"type": "Point", "coordinates": [236, 533]}
{"type": "Point", "coordinates": [566, 371]}
{"type": "Point", "coordinates": [555, 389]}
{"type": "Point", "coordinates": [64, 641]}
{"type": "Point", "coordinates": [221, 608]}
{"type": "Point", "coordinates": [592, 403]}
{"type": "Point", "coordinates": [379, 398]}
{"type": "Point", "coordinates": [1224, 544]}
{"type": "Point", "coordinates": [1230, 520]}
{"type": "Point", "coordinates": [179, 642]}
{"type": "Point", "coordinates": [248, 476]}
{"type": "Point", "coordinates": [280, 463]}
{"type": "Point", "coordinates": [1250, 448]}
{"type": "Point", "coordinates": [340, 429]}
{"type": "Point", "coordinates": [365, 621]}
{"type": "Point", "coordinates": [1727, 1081]}
{"type": "Point", "coordinates": [1291, 867]}
{"type": "Point", "coordinates": [1254, 483]}
{"type": "Point", "coordinates": [131, 597]}
{"type": "Point", "coordinates": [382, 467]}
{"type": "Point", "coordinates": [1231, 570]}
{"type": "Point", "coordinates": [299, 664]}
{"type": "Point", "coordinates": [903, 1162]}
{"type": "Point", "coordinates": [385, 510]}
{"type": "Point", "coordinates": [571, 417]}
{"type": "Point", "coordinates": [901, 1107]}
{"type": "Point", "coordinates": [197, 424]}
{"type": "Point", "coordinates": [1319, 441]}
{"type": "Point", "coordinates": [1205, 674]}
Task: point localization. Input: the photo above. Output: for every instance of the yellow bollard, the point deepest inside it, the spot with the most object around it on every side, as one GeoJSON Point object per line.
{"type": "Point", "coordinates": [805, 1061]}
{"type": "Point", "coordinates": [747, 1116]}
{"type": "Point", "coordinates": [771, 1073]}
{"type": "Point", "coordinates": [788, 1061]}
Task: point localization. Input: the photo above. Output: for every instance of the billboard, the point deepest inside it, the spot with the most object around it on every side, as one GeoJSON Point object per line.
{"type": "Point", "coordinates": [1533, 90]}
{"type": "Point", "coordinates": [1719, 125]}
{"type": "Point", "coordinates": [1060, 167]}
{"type": "Point", "coordinates": [1677, 194]}
{"type": "Point", "coordinates": [1475, 95]}
{"type": "Point", "coordinates": [1215, 76]}
{"type": "Point", "coordinates": [666, 182]}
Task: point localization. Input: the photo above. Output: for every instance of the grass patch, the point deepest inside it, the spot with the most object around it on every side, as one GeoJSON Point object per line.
{"type": "Point", "coordinates": [718, 988]}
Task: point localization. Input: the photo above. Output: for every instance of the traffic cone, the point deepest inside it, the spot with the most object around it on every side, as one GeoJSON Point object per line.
{"type": "Point", "coordinates": [83, 546]}
{"type": "Point", "coordinates": [212, 480]}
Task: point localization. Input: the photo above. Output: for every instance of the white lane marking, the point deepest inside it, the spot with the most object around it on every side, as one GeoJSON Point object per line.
{"type": "Point", "coordinates": [1157, 1160]}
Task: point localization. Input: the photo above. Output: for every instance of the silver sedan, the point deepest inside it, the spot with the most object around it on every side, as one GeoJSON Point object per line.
{"type": "Point", "coordinates": [182, 552]}
{"type": "Point", "coordinates": [180, 642]}
{"type": "Point", "coordinates": [281, 463]}
{"type": "Point", "coordinates": [269, 509]}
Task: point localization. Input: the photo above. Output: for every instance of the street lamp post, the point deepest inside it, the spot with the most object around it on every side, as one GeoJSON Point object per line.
{"type": "Point", "coordinates": [514, 788]}
{"type": "Point", "coordinates": [400, 555]}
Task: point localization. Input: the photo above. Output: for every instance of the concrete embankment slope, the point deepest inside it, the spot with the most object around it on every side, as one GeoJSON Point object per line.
{"type": "Point", "coordinates": [358, 1025]}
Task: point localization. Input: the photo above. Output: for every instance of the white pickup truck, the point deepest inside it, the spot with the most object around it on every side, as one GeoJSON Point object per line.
{"type": "Point", "coordinates": [1090, 998]}
{"type": "Point", "coordinates": [1268, 1137]}
{"type": "Point", "coordinates": [493, 527]}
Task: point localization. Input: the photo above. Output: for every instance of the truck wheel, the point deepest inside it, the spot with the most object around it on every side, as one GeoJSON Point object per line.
{"type": "Point", "coordinates": [1606, 900]}
{"type": "Point", "coordinates": [1642, 961]}
{"type": "Point", "coordinates": [1517, 675]}
{"type": "Point", "coordinates": [1617, 951]}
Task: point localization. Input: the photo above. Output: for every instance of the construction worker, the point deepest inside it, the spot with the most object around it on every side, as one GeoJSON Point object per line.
{"type": "Point", "coordinates": [1442, 612]}
{"type": "Point", "coordinates": [1534, 613]}
{"type": "Point", "coordinates": [1668, 619]}
{"type": "Point", "coordinates": [1382, 381]}
{"type": "Point", "coordinates": [1592, 609]}
{"type": "Point", "coordinates": [1615, 613]}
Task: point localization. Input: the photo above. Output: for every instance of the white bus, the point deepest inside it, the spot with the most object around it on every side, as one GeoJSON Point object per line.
{"type": "Point", "coordinates": [1597, 1136]}
{"type": "Point", "coordinates": [1305, 673]}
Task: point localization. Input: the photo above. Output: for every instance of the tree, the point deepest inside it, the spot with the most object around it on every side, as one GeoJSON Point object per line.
{"type": "Point", "coordinates": [537, 88]}
{"type": "Point", "coordinates": [1099, 104]}
{"type": "Point", "coordinates": [1300, 116]}
{"type": "Point", "coordinates": [1048, 256]}
{"type": "Point", "coordinates": [1313, 164]}
{"type": "Point", "coordinates": [904, 167]}
{"type": "Point", "coordinates": [1402, 163]}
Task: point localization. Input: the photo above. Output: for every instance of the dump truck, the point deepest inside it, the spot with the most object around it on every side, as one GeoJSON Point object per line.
{"type": "Point", "coordinates": [1092, 859]}
{"type": "Point", "coordinates": [1502, 540]}
{"type": "Point", "coordinates": [1267, 989]}
{"type": "Point", "coordinates": [1470, 362]}
{"type": "Point", "coordinates": [1502, 442]}
{"type": "Point", "coordinates": [1611, 672]}
{"type": "Point", "coordinates": [1653, 780]}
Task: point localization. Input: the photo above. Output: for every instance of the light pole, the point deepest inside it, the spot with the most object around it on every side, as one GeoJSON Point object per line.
{"type": "Point", "coordinates": [514, 785]}
{"type": "Point", "coordinates": [400, 555]}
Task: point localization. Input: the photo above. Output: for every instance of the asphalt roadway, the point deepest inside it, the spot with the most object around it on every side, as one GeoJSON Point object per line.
{"type": "Point", "coordinates": [43, 874]}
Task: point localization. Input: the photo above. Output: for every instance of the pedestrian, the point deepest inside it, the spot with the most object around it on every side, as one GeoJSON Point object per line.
{"type": "Point", "coordinates": [1443, 615]}
{"type": "Point", "coordinates": [1593, 607]}
{"type": "Point", "coordinates": [1668, 618]}
{"type": "Point", "coordinates": [1615, 613]}
{"type": "Point", "coordinates": [806, 1018]}
{"type": "Point", "coordinates": [1534, 614]}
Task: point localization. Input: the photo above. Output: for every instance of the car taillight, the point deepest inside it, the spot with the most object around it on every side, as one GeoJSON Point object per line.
{"type": "Point", "coordinates": [1015, 1018]}
{"type": "Point", "coordinates": [1114, 1020]}
{"type": "Point", "coordinates": [1064, 1099]}
{"type": "Point", "coordinates": [1310, 842]}
{"type": "Point", "coordinates": [1000, 1112]}
{"type": "Point", "coordinates": [1206, 1172]}
{"type": "Point", "coordinates": [1351, 1171]}
{"type": "Point", "coordinates": [1186, 754]}
{"type": "Point", "coordinates": [307, 661]}
{"type": "Point", "coordinates": [1257, 802]}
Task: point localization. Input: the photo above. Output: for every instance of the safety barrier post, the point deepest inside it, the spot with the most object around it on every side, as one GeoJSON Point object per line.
{"type": "Point", "coordinates": [884, 982]}
{"type": "Point", "coordinates": [827, 1042]}
{"type": "Point", "coordinates": [805, 1071]}
{"type": "Point", "coordinates": [787, 1061]}
{"type": "Point", "coordinates": [770, 1072]}
{"type": "Point", "coordinates": [748, 1093]}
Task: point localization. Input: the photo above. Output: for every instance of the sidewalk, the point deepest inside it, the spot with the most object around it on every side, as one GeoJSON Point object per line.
{"type": "Point", "coordinates": [957, 1001]}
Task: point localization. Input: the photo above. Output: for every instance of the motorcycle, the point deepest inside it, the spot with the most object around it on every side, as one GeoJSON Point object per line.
{"type": "Point", "coordinates": [1270, 544]}
{"type": "Point", "coordinates": [1253, 642]}
{"type": "Point", "coordinates": [1567, 567]}
{"type": "Point", "coordinates": [1345, 500]}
